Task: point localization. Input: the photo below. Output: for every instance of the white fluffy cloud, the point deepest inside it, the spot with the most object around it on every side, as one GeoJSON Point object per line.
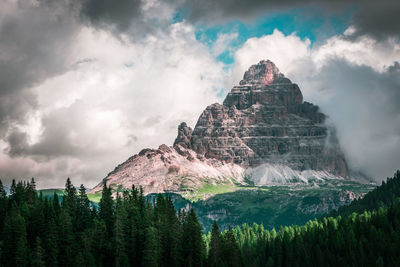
{"type": "Point", "coordinates": [284, 51]}
{"type": "Point", "coordinates": [354, 80]}
{"type": "Point", "coordinates": [118, 98]}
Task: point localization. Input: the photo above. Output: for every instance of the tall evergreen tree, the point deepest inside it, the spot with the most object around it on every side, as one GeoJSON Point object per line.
{"type": "Point", "coordinates": [84, 214]}
{"type": "Point", "coordinates": [56, 204]}
{"type": "Point", "coordinates": [66, 240]}
{"type": "Point", "coordinates": [100, 244]}
{"type": "Point", "coordinates": [70, 199]}
{"type": "Point", "coordinates": [3, 206]}
{"type": "Point", "coordinates": [150, 250]}
{"type": "Point", "coordinates": [16, 246]}
{"type": "Point", "coordinates": [121, 217]}
{"type": "Point", "coordinates": [38, 254]}
{"type": "Point", "coordinates": [51, 243]}
{"type": "Point", "coordinates": [106, 209]}
{"type": "Point", "coordinates": [31, 193]}
{"type": "Point", "coordinates": [172, 236]}
{"type": "Point", "coordinates": [214, 254]}
{"type": "Point", "coordinates": [107, 215]}
{"type": "Point", "coordinates": [193, 244]}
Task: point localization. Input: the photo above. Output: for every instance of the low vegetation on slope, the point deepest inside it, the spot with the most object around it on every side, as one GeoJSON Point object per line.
{"type": "Point", "coordinates": [370, 237]}
{"type": "Point", "coordinates": [49, 193]}
{"type": "Point", "coordinates": [272, 206]}
{"type": "Point", "coordinates": [383, 196]}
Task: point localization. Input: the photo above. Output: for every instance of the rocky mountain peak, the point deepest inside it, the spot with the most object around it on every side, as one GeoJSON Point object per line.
{"type": "Point", "coordinates": [265, 121]}
{"type": "Point", "coordinates": [265, 72]}
{"type": "Point", "coordinates": [184, 136]}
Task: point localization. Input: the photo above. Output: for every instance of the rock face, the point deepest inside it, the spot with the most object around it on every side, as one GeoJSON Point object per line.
{"type": "Point", "coordinates": [170, 169]}
{"type": "Point", "coordinates": [263, 120]}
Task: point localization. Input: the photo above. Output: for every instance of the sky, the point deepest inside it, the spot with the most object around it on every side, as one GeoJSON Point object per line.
{"type": "Point", "coordinates": [85, 84]}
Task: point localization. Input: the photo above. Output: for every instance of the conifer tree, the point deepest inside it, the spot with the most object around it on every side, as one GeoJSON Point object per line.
{"type": "Point", "coordinates": [16, 246]}
{"type": "Point", "coordinates": [56, 204]}
{"type": "Point", "coordinates": [193, 245]}
{"type": "Point", "coordinates": [231, 253]}
{"type": "Point", "coordinates": [3, 206]}
{"type": "Point", "coordinates": [214, 255]}
{"type": "Point", "coordinates": [84, 214]}
{"type": "Point", "coordinates": [50, 243]}
{"type": "Point", "coordinates": [66, 240]}
{"type": "Point", "coordinates": [70, 198]}
{"type": "Point", "coordinates": [107, 215]}
{"type": "Point", "coordinates": [106, 209]}
{"type": "Point", "coordinates": [36, 221]}
{"type": "Point", "coordinates": [99, 244]}
{"type": "Point", "coordinates": [150, 250]}
{"type": "Point", "coordinates": [31, 193]}
{"type": "Point", "coordinates": [13, 188]}
{"type": "Point", "coordinates": [172, 250]}
{"type": "Point", "coordinates": [121, 257]}
{"type": "Point", "coordinates": [38, 254]}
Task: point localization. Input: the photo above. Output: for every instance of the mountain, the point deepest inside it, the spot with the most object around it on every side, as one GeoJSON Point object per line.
{"type": "Point", "coordinates": [264, 155]}
{"type": "Point", "coordinates": [264, 120]}
{"type": "Point", "coordinates": [263, 132]}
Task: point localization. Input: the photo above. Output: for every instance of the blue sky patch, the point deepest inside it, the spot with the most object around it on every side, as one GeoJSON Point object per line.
{"type": "Point", "coordinates": [312, 24]}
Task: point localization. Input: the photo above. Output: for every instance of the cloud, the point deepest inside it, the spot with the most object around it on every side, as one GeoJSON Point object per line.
{"type": "Point", "coordinates": [105, 12]}
{"type": "Point", "coordinates": [77, 100]}
{"type": "Point", "coordinates": [378, 19]}
{"type": "Point", "coordinates": [34, 42]}
{"type": "Point", "coordinates": [111, 105]}
{"type": "Point", "coordinates": [378, 54]}
{"type": "Point", "coordinates": [355, 82]}
{"type": "Point", "coordinates": [133, 17]}
{"type": "Point", "coordinates": [284, 51]}
{"type": "Point", "coordinates": [363, 104]}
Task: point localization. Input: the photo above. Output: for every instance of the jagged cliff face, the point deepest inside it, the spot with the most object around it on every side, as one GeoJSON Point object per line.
{"type": "Point", "coordinates": [262, 122]}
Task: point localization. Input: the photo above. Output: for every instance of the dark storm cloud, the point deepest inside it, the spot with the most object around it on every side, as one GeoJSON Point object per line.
{"type": "Point", "coordinates": [379, 19]}
{"type": "Point", "coordinates": [135, 17]}
{"type": "Point", "coordinates": [103, 13]}
{"type": "Point", "coordinates": [34, 41]}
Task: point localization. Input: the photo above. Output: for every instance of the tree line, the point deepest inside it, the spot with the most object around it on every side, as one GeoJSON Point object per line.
{"type": "Point", "coordinates": [128, 230]}
{"type": "Point", "coordinates": [124, 230]}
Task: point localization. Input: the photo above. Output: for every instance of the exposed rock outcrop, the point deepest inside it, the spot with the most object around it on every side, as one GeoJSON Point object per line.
{"type": "Point", "coordinates": [264, 120]}
{"type": "Point", "coordinates": [170, 169]}
{"type": "Point", "coordinates": [184, 136]}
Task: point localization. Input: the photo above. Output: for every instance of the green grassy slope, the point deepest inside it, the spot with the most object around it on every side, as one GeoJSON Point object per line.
{"type": "Point", "coordinates": [233, 204]}
{"type": "Point", "coordinates": [60, 192]}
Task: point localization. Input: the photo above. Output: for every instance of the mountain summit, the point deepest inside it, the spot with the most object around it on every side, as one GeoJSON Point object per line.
{"type": "Point", "coordinates": [263, 131]}
{"type": "Point", "coordinates": [264, 72]}
{"type": "Point", "coordinates": [264, 120]}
